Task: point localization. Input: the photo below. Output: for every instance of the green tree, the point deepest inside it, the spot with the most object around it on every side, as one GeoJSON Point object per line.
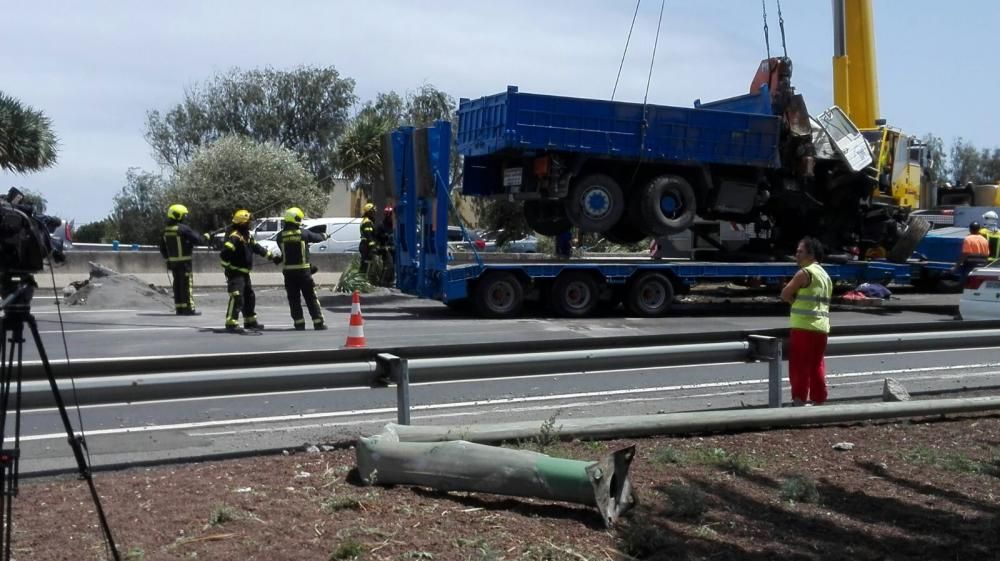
{"type": "Point", "coordinates": [138, 211]}
{"type": "Point", "coordinates": [937, 172]}
{"type": "Point", "coordinates": [360, 149]}
{"type": "Point", "coordinates": [989, 171]}
{"type": "Point", "coordinates": [237, 172]}
{"type": "Point", "coordinates": [304, 110]}
{"type": "Point", "coordinates": [94, 232]}
{"type": "Point", "coordinates": [965, 161]}
{"type": "Point", "coordinates": [27, 142]}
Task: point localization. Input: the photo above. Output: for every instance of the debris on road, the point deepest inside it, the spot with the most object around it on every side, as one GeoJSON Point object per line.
{"type": "Point", "coordinates": [107, 289]}
{"type": "Point", "coordinates": [893, 390]}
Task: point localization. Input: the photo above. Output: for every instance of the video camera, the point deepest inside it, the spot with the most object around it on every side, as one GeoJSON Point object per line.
{"type": "Point", "coordinates": [26, 237]}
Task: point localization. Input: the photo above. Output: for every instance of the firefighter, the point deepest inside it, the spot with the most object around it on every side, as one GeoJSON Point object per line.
{"type": "Point", "coordinates": [177, 245]}
{"type": "Point", "coordinates": [991, 231]}
{"type": "Point", "coordinates": [369, 243]}
{"type": "Point", "coordinates": [237, 261]}
{"type": "Point", "coordinates": [385, 238]}
{"type": "Point", "coordinates": [294, 243]}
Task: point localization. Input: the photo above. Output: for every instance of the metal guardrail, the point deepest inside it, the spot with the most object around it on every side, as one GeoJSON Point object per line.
{"type": "Point", "coordinates": [99, 381]}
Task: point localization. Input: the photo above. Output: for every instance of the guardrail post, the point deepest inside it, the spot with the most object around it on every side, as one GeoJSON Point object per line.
{"type": "Point", "coordinates": [395, 369]}
{"type": "Point", "coordinates": [769, 349]}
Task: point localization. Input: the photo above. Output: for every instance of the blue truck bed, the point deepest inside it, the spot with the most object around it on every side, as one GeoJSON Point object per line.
{"type": "Point", "coordinates": [736, 131]}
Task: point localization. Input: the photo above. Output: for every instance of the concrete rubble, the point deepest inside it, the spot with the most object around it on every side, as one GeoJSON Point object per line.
{"type": "Point", "coordinates": [107, 289]}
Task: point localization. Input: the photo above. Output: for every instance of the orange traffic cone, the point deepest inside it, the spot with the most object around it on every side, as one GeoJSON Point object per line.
{"type": "Point", "coordinates": [356, 327]}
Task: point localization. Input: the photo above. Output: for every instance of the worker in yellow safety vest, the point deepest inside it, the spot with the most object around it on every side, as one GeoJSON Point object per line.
{"type": "Point", "coordinates": [809, 293]}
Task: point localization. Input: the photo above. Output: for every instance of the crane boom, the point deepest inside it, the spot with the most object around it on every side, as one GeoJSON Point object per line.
{"type": "Point", "coordinates": [855, 79]}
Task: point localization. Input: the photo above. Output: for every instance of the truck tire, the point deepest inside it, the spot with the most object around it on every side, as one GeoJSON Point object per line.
{"type": "Point", "coordinates": [575, 294]}
{"type": "Point", "coordinates": [649, 295]}
{"type": "Point", "coordinates": [547, 218]}
{"type": "Point", "coordinates": [499, 294]}
{"type": "Point", "coordinates": [595, 203]}
{"type": "Point", "coordinates": [667, 205]}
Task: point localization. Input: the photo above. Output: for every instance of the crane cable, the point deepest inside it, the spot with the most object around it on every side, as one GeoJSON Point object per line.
{"type": "Point", "coordinates": [652, 59]}
{"type": "Point", "coordinates": [767, 40]}
{"type": "Point", "coordinates": [627, 40]}
{"type": "Point", "coordinates": [781, 25]}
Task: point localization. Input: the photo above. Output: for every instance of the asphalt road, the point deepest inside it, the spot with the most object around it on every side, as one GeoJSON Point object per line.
{"type": "Point", "coordinates": [391, 321]}
{"type": "Point", "coordinates": [127, 433]}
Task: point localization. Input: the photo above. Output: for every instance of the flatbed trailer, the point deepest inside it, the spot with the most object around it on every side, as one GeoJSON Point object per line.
{"type": "Point", "coordinates": [417, 168]}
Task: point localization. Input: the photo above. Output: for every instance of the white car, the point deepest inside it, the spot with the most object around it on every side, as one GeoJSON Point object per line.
{"type": "Point", "coordinates": [345, 236]}
{"type": "Point", "coordinates": [981, 296]}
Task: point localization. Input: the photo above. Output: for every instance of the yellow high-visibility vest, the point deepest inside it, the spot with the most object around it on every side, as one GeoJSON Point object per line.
{"type": "Point", "coordinates": [811, 308]}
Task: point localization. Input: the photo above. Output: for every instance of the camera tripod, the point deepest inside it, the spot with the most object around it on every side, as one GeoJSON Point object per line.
{"type": "Point", "coordinates": [17, 290]}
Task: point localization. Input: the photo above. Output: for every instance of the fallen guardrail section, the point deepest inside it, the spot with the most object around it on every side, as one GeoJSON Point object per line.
{"type": "Point", "coordinates": [101, 381]}
{"type": "Point", "coordinates": [465, 466]}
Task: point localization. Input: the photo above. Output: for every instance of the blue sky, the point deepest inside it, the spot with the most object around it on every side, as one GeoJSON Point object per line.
{"type": "Point", "coordinates": [97, 67]}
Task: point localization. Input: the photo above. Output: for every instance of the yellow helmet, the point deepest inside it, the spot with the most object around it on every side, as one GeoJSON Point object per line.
{"type": "Point", "coordinates": [177, 212]}
{"type": "Point", "coordinates": [294, 215]}
{"type": "Point", "coordinates": [368, 208]}
{"type": "Point", "coordinates": [241, 217]}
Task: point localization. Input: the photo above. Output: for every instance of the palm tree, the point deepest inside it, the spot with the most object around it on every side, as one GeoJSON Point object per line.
{"type": "Point", "coordinates": [27, 142]}
{"type": "Point", "coordinates": [359, 149]}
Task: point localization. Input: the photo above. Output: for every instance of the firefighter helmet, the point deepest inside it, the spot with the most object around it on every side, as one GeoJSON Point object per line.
{"type": "Point", "coordinates": [241, 217]}
{"type": "Point", "coordinates": [177, 212]}
{"type": "Point", "coordinates": [294, 215]}
{"type": "Point", "coordinates": [368, 209]}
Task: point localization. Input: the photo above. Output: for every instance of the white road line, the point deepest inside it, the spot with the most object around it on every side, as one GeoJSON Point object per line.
{"type": "Point", "coordinates": [112, 330]}
{"type": "Point", "coordinates": [465, 404]}
{"type": "Point", "coordinates": [87, 312]}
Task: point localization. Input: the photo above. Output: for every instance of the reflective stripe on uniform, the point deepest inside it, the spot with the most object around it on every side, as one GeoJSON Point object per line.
{"type": "Point", "coordinates": [806, 298]}
{"type": "Point", "coordinates": [811, 308]}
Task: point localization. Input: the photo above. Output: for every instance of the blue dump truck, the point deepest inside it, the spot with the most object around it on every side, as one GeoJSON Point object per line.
{"type": "Point", "coordinates": [417, 168]}
{"type": "Point", "coordinates": [631, 170]}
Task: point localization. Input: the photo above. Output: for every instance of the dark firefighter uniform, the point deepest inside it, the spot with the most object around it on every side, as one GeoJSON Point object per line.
{"type": "Point", "coordinates": [237, 261]}
{"type": "Point", "coordinates": [369, 238]}
{"type": "Point", "coordinates": [387, 248]}
{"type": "Point", "coordinates": [177, 245]}
{"type": "Point", "coordinates": [294, 243]}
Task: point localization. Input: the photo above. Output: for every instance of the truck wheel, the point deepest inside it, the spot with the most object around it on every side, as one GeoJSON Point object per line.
{"type": "Point", "coordinates": [667, 205]}
{"type": "Point", "coordinates": [575, 294]}
{"type": "Point", "coordinates": [595, 203]}
{"type": "Point", "coordinates": [499, 294]}
{"type": "Point", "coordinates": [649, 295]}
{"type": "Point", "coordinates": [547, 218]}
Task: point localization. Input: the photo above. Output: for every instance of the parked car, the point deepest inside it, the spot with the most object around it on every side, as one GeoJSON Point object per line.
{"type": "Point", "coordinates": [527, 244]}
{"type": "Point", "coordinates": [264, 228]}
{"type": "Point", "coordinates": [345, 235]}
{"type": "Point", "coordinates": [981, 296]}
{"type": "Point", "coordinates": [456, 241]}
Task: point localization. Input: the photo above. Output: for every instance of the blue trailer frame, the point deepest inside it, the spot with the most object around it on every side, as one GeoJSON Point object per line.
{"type": "Point", "coordinates": [418, 169]}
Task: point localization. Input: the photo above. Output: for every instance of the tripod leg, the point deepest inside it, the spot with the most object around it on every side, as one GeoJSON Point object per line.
{"type": "Point", "coordinates": [9, 457]}
{"type": "Point", "coordinates": [75, 442]}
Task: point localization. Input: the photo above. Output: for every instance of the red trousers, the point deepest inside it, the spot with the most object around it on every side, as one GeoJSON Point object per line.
{"type": "Point", "coordinates": [806, 368]}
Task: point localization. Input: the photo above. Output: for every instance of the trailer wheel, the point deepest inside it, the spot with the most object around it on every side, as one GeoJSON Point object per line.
{"type": "Point", "coordinates": [547, 218]}
{"type": "Point", "coordinates": [575, 294]}
{"type": "Point", "coordinates": [649, 295]}
{"type": "Point", "coordinates": [667, 205]}
{"type": "Point", "coordinates": [595, 203]}
{"type": "Point", "coordinates": [499, 294]}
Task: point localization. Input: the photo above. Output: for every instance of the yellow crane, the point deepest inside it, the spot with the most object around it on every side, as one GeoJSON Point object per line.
{"type": "Point", "coordinates": [899, 159]}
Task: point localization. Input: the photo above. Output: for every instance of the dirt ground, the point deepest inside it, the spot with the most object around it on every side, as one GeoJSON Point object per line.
{"type": "Point", "coordinates": [924, 489]}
